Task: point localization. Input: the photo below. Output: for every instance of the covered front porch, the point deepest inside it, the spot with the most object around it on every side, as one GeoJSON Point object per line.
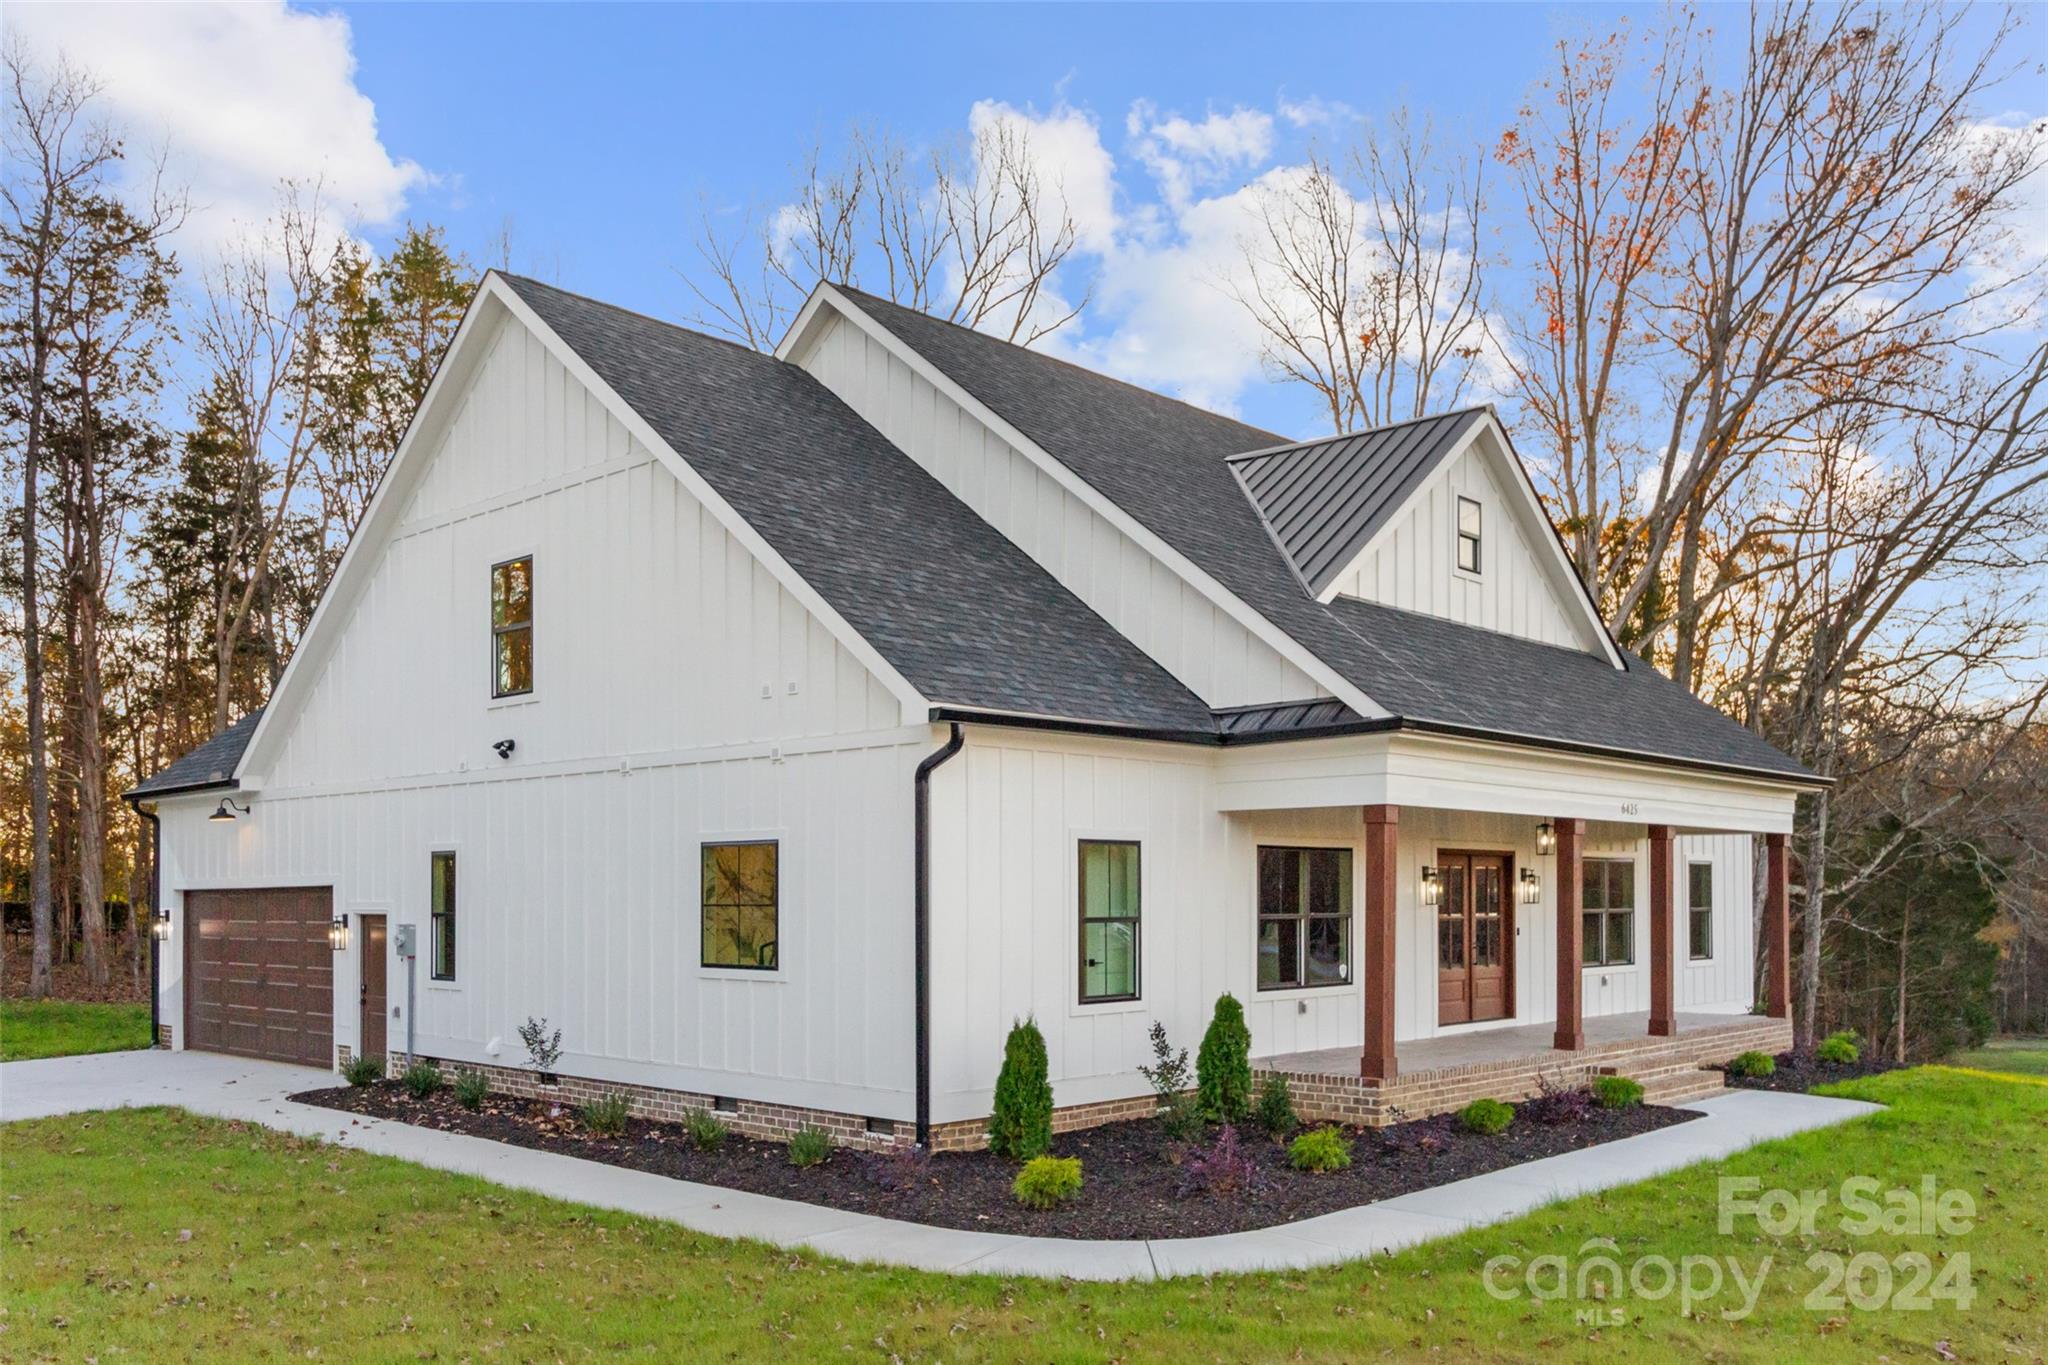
{"type": "Point", "coordinates": [1477, 891]}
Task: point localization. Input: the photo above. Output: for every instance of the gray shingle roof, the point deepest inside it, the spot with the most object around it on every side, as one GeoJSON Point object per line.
{"type": "Point", "coordinates": [1167, 464]}
{"type": "Point", "coordinates": [958, 609]}
{"type": "Point", "coordinates": [212, 764]}
{"type": "Point", "coordinates": [1324, 499]}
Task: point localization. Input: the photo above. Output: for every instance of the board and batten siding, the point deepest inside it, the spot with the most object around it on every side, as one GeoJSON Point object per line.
{"type": "Point", "coordinates": [1215, 656]}
{"type": "Point", "coordinates": [1413, 563]}
{"type": "Point", "coordinates": [1008, 815]}
{"type": "Point", "coordinates": [680, 694]}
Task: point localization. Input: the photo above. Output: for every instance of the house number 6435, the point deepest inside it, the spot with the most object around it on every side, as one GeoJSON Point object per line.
{"type": "Point", "coordinates": [1630, 808]}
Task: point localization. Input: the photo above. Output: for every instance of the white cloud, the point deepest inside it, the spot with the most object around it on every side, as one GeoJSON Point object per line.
{"type": "Point", "coordinates": [239, 97]}
{"type": "Point", "coordinates": [1066, 148]}
{"type": "Point", "coordinates": [1184, 156]}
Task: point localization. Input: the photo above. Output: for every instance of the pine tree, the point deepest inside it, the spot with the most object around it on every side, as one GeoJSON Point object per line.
{"type": "Point", "coordinates": [1223, 1068]}
{"type": "Point", "coordinates": [1021, 1125]}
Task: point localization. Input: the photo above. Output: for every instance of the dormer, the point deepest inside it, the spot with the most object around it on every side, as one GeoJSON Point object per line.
{"type": "Point", "coordinates": [1434, 515]}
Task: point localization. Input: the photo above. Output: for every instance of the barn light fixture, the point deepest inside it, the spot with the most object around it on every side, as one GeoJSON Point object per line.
{"type": "Point", "coordinates": [1532, 886]}
{"type": "Point", "coordinates": [1546, 838]}
{"type": "Point", "coordinates": [337, 933]}
{"type": "Point", "coordinates": [1432, 886]}
{"type": "Point", "coordinates": [160, 926]}
{"type": "Point", "coordinates": [226, 810]}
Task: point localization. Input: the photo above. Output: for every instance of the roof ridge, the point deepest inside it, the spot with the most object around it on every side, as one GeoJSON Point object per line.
{"type": "Point", "coordinates": [1381, 429]}
{"type": "Point", "coordinates": [739, 346]}
{"type": "Point", "coordinates": [863, 294]}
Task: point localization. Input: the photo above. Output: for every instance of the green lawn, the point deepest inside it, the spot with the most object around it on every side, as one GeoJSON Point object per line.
{"type": "Point", "coordinates": [152, 1234]}
{"type": "Point", "coordinates": [65, 1028]}
{"type": "Point", "coordinates": [2024, 1056]}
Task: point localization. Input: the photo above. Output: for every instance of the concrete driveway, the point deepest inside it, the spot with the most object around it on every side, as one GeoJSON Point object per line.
{"type": "Point", "coordinates": [256, 1092]}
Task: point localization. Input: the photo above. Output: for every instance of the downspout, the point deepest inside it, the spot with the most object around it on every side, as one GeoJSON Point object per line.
{"type": "Point", "coordinates": [922, 900]}
{"type": "Point", "coordinates": [156, 859]}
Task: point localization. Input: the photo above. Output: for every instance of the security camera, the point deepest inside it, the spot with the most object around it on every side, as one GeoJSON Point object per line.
{"type": "Point", "coordinates": [505, 747]}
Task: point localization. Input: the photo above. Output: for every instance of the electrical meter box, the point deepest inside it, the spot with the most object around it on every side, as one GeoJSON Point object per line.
{"type": "Point", "coordinates": [403, 940]}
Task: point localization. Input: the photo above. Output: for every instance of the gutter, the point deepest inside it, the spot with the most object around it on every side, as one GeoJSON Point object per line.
{"type": "Point", "coordinates": [922, 915]}
{"type": "Point", "coordinates": [156, 862]}
{"type": "Point", "coordinates": [1381, 725]}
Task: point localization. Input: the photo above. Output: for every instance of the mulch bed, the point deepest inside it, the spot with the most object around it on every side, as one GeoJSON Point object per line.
{"type": "Point", "coordinates": [1131, 1188]}
{"type": "Point", "coordinates": [1801, 1072]}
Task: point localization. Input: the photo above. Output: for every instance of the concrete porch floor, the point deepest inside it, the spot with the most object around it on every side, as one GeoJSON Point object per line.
{"type": "Point", "coordinates": [1484, 1046]}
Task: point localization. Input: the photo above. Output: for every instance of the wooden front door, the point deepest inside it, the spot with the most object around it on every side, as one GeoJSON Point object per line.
{"type": "Point", "coordinates": [1475, 937]}
{"type": "Point", "coordinates": [374, 1004]}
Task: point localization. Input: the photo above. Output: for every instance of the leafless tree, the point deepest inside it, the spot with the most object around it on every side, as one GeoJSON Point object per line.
{"type": "Point", "coordinates": [1372, 297]}
{"type": "Point", "coordinates": [973, 233]}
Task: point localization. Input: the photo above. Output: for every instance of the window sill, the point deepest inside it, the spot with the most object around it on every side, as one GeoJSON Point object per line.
{"type": "Point", "coordinates": [1083, 1009]}
{"type": "Point", "coordinates": [1296, 992]}
{"type": "Point", "coordinates": [431, 984]}
{"type": "Point", "coordinates": [506, 703]}
{"type": "Point", "coordinates": [774, 978]}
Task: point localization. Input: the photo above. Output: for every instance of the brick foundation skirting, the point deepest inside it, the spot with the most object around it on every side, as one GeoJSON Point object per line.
{"type": "Point", "coordinates": [164, 1037]}
{"type": "Point", "coordinates": [749, 1118]}
{"type": "Point", "coordinates": [971, 1135]}
{"type": "Point", "coordinates": [1662, 1062]}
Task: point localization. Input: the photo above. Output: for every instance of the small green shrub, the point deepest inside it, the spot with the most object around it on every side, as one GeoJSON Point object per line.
{"type": "Point", "coordinates": [606, 1115]}
{"type": "Point", "coordinates": [1047, 1181]}
{"type": "Point", "coordinates": [471, 1089]}
{"type": "Point", "coordinates": [1323, 1149]}
{"type": "Point", "coordinates": [1275, 1110]}
{"type": "Point", "coordinates": [1487, 1117]}
{"type": "Point", "coordinates": [361, 1071]}
{"type": "Point", "coordinates": [1223, 1068]}
{"type": "Point", "coordinates": [1617, 1092]}
{"type": "Point", "coordinates": [1839, 1048]}
{"type": "Point", "coordinates": [1172, 1080]}
{"type": "Point", "coordinates": [1753, 1064]}
{"type": "Point", "coordinates": [1021, 1125]}
{"type": "Point", "coordinates": [707, 1131]}
{"type": "Point", "coordinates": [423, 1079]}
{"type": "Point", "coordinates": [808, 1146]}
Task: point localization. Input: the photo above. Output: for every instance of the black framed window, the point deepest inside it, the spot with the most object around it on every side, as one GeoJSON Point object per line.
{"type": "Point", "coordinates": [1608, 903]}
{"type": "Point", "coordinates": [1468, 535]}
{"type": "Point", "coordinates": [1304, 917]}
{"type": "Point", "coordinates": [1699, 909]}
{"type": "Point", "coordinates": [441, 904]}
{"type": "Point", "coordinates": [741, 905]}
{"type": "Point", "coordinates": [1110, 912]}
{"type": "Point", "coordinates": [512, 627]}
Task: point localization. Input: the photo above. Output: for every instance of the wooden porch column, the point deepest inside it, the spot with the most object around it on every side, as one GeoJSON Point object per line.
{"type": "Point", "coordinates": [1663, 1016]}
{"type": "Point", "coordinates": [1777, 931]}
{"type": "Point", "coordinates": [1571, 944]}
{"type": "Point", "coordinates": [1376, 1058]}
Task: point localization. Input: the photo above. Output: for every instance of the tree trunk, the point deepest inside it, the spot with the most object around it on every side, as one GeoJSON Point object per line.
{"type": "Point", "coordinates": [32, 659]}
{"type": "Point", "coordinates": [1899, 1024]}
{"type": "Point", "coordinates": [1815, 875]}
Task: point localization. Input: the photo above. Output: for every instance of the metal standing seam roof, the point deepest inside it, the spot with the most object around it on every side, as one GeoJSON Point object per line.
{"type": "Point", "coordinates": [1323, 500]}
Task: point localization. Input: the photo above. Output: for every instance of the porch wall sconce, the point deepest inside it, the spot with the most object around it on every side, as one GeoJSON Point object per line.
{"type": "Point", "coordinates": [160, 926]}
{"type": "Point", "coordinates": [1532, 886]}
{"type": "Point", "coordinates": [1546, 839]}
{"type": "Point", "coordinates": [226, 810]}
{"type": "Point", "coordinates": [337, 933]}
{"type": "Point", "coordinates": [1432, 886]}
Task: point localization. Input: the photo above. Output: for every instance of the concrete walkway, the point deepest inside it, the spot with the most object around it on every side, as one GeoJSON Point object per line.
{"type": "Point", "coordinates": [228, 1087]}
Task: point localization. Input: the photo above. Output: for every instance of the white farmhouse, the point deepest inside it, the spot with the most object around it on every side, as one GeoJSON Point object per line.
{"type": "Point", "coordinates": [782, 728]}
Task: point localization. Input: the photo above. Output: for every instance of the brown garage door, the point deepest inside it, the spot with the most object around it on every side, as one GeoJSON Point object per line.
{"type": "Point", "coordinates": [259, 973]}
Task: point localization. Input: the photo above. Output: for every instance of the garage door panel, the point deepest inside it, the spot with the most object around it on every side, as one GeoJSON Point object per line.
{"type": "Point", "coordinates": [259, 975]}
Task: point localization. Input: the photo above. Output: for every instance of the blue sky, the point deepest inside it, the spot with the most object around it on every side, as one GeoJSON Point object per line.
{"type": "Point", "coordinates": [596, 131]}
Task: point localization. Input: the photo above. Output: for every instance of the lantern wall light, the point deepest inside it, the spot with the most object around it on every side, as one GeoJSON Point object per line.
{"type": "Point", "coordinates": [160, 926]}
{"type": "Point", "coordinates": [1532, 886]}
{"type": "Point", "coordinates": [337, 933]}
{"type": "Point", "coordinates": [1546, 838]}
{"type": "Point", "coordinates": [1432, 886]}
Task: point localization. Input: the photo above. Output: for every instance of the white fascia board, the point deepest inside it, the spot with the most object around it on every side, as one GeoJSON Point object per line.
{"type": "Point", "coordinates": [802, 333]}
{"type": "Point", "coordinates": [916, 708]}
{"type": "Point", "coordinates": [480, 323]}
{"type": "Point", "coordinates": [1542, 535]}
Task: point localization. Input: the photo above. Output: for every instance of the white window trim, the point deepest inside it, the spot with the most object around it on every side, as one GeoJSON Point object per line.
{"type": "Point", "coordinates": [531, 694]}
{"type": "Point", "coordinates": [1477, 575]}
{"type": "Point", "coordinates": [1638, 946]}
{"type": "Point", "coordinates": [1350, 987]}
{"type": "Point", "coordinates": [425, 925]}
{"type": "Point", "coordinates": [1076, 1007]}
{"type": "Point", "coordinates": [1713, 909]}
{"type": "Point", "coordinates": [779, 973]}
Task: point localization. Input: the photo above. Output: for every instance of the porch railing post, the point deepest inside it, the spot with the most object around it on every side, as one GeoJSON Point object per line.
{"type": "Point", "coordinates": [1777, 930]}
{"type": "Point", "coordinates": [1571, 1023]}
{"type": "Point", "coordinates": [1376, 1058]}
{"type": "Point", "coordinates": [1663, 1014]}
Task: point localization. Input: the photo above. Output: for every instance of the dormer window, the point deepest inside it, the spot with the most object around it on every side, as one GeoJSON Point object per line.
{"type": "Point", "coordinates": [512, 627]}
{"type": "Point", "coordinates": [1468, 535]}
